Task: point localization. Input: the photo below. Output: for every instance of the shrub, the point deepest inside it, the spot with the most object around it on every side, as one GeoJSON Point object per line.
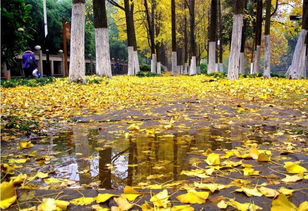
{"type": "Point", "coordinates": [145, 68]}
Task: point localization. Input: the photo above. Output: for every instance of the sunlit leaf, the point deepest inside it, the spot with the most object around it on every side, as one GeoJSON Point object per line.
{"type": "Point", "coordinates": [123, 204]}
{"type": "Point", "coordinates": [294, 168]}
{"type": "Point", "coordinates": [243, 206]}
{"type": "Point", "coordinates": [161, 199]}
{"type": "Point", "coordinates": [268, 192]}
{"type": "Point", "coordinates": [193, 197]}
{"type": "Point", "coordinates": [102, 197]}
{"type": "Point", "coordinates": [213, 159]}
{"type": "Point", "coordinates": [282, 203]}
{"type": "Point", "coordinates": [182, 208]}
{"type": "Point", "coordinates": [8, 194]}
{"type": "Point", "coordinates": [249, 191]}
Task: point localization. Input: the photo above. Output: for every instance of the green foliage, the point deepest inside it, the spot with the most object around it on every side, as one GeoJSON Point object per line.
{"type": "Point", "coordinates": [27, 82]}
{"type": "Point", "coordinates": [147, 74]}
{"type": "Point", "coordinates": [16, 29]}
{"type": "Point", "coordinates": [15, 122]}
{"type": "Point", "coordinates": [203, 68]}
{"type": "Point", "coordinates": [145, 68]}
{"type": "Point", "coordinates": [218, 75]}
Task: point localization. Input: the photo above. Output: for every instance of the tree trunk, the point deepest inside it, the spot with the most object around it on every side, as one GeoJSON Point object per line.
{"type": "Point", "coordinates": [212, 38]}
{"type": "Point", "coordinates": [258, 37]}
{"type": "Point", "coordinates": [103, 64]}
{"type": "Point", "coordinates": [233, 68]}
{"type": "Point", "coordinates": [130, 70]}
{"type": "Point", "coordinates": [173, 34]}
{"type": "Point", "coordinates": [193, 63]}
{"type": "Point", "coordinates": [77, 60]}
{"type": "Point", "coordinates": [220, 58]}
{"type": "Point", "coordinates": [267, 52]}
{"type": "Point", "coordinates": [130, 42]}
{"type": "Point", "coordinates": [297, 69]}
{"type": "Point", "coordinates": [136, 65]}
{"type": "Point", "coordinates": [242, 54]}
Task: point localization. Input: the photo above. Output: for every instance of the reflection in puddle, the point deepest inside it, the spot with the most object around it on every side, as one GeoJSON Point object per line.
{"type": "Point", "coordinates": [84, 156]}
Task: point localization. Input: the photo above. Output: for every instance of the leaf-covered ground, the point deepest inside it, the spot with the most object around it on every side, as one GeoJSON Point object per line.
{"type": "Point", "coordinates": [268, 172]}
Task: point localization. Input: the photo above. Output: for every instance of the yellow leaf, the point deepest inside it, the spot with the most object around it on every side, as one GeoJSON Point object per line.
{"type": "Point", "coordinates": [62, 204]}
{"type": "Point", "coordinates": [96, 207]}
{"type": "Point", "coordinates": [282, 203]}
{"type": "Point", "coordinates": [161, 199]}
{"type": "Point", "coordinates": [19, 179]}
{"type": "Point", "coordinates": [29, 209]}
{"type": "Point", "coordinates": [285, 191]}
{"type": "Point", "coordinates": [264, 157]}
{"type": "Point", "coordinates": [303, 206]}
{"type": "Point", "coordinates": [8, 194]}
{"type": "Point", "coordinates": [25, 144]}
{"type": "Point", "coordinates": [134, 127]}
{"type": "Point", "coordinates": [41, 175]}
{"type": "Point", "coordinates": [193, 197]}
{"type": "Point", "coordinates": [254, 153]}
{"type": "Point", "coordinates": [146, 207]}
{"type": "Point", "coordinates": [102, 197]}
{"type": "Point", "coordinates": [23, 160]}
{"type": "Point", "coordinates": [213, 159]}
{"type": "Point", "coordinates": [130, 189]}
{"type": "Point", "coordinates": [250, 172]}
{"type": "Point", "coordinates": [48, 204]}
{"type": "Point", "coordinates": [83, 201]}
{"type": "Point", "coordinates": [123, 204]}
{"type": "Point", "coordinates": [249, 191]}
{"type": "Point", "coordinates": [294, 168]}
{"type": "Point", "coordinates": [293, 178]}
{"type": "Point", "coordinates": [131, 196]}
{"type": "Point", "coordinates": [243, 206]}
{"type": "Point", "coordinates": [222, 204]}
{"type": "Point", "coordinates": [52, 180]}
{"type": "Point", "coordinates": [268, 192]}
{"type": "Point", "coordinates": [182, 208]}
{"type": "Point", "coordinates": [212, 187]}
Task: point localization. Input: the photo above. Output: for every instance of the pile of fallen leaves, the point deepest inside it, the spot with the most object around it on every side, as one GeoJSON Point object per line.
{"type": "Point", "coordinates": [61, 100]}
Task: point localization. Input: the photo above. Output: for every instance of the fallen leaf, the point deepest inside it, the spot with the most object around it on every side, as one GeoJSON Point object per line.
{"type": "Point", "coordinates": [193, 197]}
{"type": "Point", "coordinates": [123, 204]}
{"type": "Point", "coordinates": [161, 199]}
{"type": "Point", "coordinates": [213, 159]}
{"type": "Point", "coordinates": [25, 145]}
{"type": "Point", "coordinates": [294, 168]}
{"type": "Point", "coordinates": [268, 192]}
{"type": "Point", "coordinates": [243, 206]}
{"type": "Point", "coordinates": [249, 191]}
{"type": "Point", "coordinates": [83, 201]}
{"type": "Point", "coordinates": [182, 208]}
{"type": "Point", "coordinates": [102, 197]}
{"type": "Point", "coordinates": [282, 203]}
{"type": "Point", "coordinates": [8, 194]}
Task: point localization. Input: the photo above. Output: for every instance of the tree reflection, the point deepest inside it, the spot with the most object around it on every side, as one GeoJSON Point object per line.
{"type": "Point", "coordinates": [104, 168]}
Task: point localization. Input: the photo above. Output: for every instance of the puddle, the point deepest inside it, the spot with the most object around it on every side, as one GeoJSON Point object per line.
{"type": "Point", "coordinates": [85, 155]}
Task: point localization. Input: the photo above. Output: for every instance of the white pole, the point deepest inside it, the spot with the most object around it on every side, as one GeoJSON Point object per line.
{"type": "Point", "coordinates": [45, 18]}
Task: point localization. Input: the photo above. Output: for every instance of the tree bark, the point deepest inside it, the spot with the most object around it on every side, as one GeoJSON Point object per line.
{"type": "Point", "coordinates": [212, 38]}
{"type": "Point", "coordinates": [220, 58]}
{"type": "Point", "coordinates": [297, 69]}
{"type": "Point", "coordinates": [173, 34]}
{"type": "Point", "coordinates": [267, 53]}
{"type": "Point", "coordinates": [103, 64]}
{"type": "Point", "coordinates": [233, 68]}
{"type": "Point", "coordinates": [193, 63]}
{"type": "Point", "coordinates": [130, 42]}
{"type": "Point", "coordinates": [242, 54]}
{"type": "Point", "coordinates": [77, 60]}
{"type": "Point", "coordinates": [258, 37]}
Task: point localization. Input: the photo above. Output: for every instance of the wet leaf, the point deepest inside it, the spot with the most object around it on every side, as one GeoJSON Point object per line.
{"type": "Point", "coordinates": [303, 206]}
{"type": "Point", "coordinates": [8, 194]}
{"type": "Point", "coordinates": [212, 187]}
{"type": "Point", "coordinates": [130, 190]}
{"type": "Point", "coordinates": [96, 207]}
{"type": "Point", "coordinates": [193, 197]}
{"type": "Point", "coordinates": [52, 180]}
{"type": "Point", "coordinates": [102, 197]}
{"type": "Point", "coordinates": [294, 178]}
{"type": "Point", "coordinates": [131, 196]}
{"type": "Point", "coordinates": [48, 204]}
{"type": "Point", "coordinates": [264, 157]}
{"type": "Point", "coordinates": [41, 175]}
{"type": "Point", "coordinates": [222, 204]}
{"type": "Point", "coordinates": [286, 191]}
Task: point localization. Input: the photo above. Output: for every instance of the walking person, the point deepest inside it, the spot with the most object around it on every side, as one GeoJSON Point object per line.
{"type": "Point", "coordinates": [28, 62]}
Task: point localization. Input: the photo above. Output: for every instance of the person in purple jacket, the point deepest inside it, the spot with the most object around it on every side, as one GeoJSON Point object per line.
{"type": "Point", "coordinates": [28, 62]}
